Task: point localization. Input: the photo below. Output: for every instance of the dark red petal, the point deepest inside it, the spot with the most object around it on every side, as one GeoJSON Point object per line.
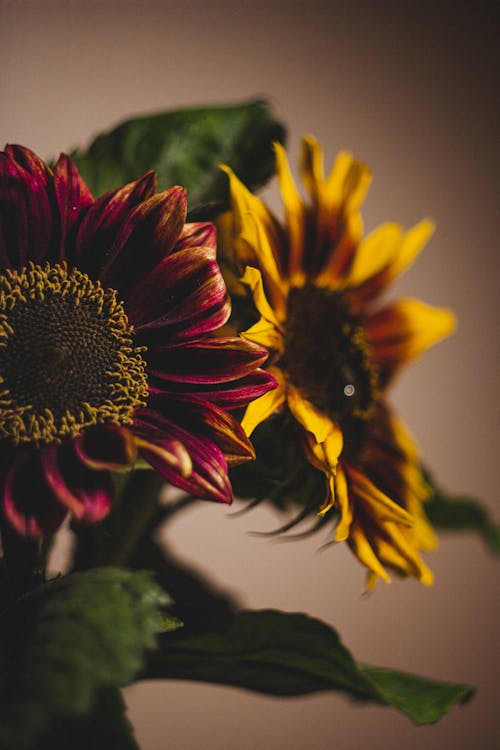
{"type": "Point", "coordinates": [28, 503]}
{"type": "Point", "coordinates": [230, 395]}
{"type": "Point", "coordinates": [208, 478]}
{"type": "Point", "coordinates": [185, 293]}
{"type": "Point", "coordinates": [199, 234]}
{"type": "Point", "coordinates": [73, 197]}
{"type": "Point", "coordinates": [26, 210]}
{"type": "Point", "coordinates": [87, 493]}
{"type": "Point", "coordinates": [148, 235]}
{"type": "Point", "coordinates": [206, 360]}
{"type": "Point", "coordinates": [106, 446]}
{"type": "Point", "coordinates": [204, 419]}
{"type": "Point", "coordinates": [105, 220]}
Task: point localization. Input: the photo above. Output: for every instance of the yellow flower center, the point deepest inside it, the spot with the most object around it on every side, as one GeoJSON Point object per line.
{"type": "Point", "coordinates": [67, 359]}
{"type": "Point", "coordinates": [328, 359]}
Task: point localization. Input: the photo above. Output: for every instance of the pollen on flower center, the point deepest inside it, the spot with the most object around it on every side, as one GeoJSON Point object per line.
{"type": "Point", "coordinates": [327, 356]}
{"type": "Point", "coordinates": [67, 359]}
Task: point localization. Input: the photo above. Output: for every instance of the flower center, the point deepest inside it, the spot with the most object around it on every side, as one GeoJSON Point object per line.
{"type": "Point", "coordinates": [67, 359]}
{"type": "Point", "coordinates": [327, 358]}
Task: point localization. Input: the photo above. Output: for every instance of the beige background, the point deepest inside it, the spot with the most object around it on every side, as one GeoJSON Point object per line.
{"type": "Point", "coordinates": [410, 89]}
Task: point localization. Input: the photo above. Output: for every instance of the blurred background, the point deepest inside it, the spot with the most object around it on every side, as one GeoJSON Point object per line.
{"type": "Point", "coordinates": [412, 89]}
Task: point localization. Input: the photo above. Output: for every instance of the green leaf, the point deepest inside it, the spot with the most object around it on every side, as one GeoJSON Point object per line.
{"type": "Point", "coordinates": [461, 513]}
{"type": "Point", "coordinates": [65, 642]}
{"type": "Point", "coordinates": [289, 654]}
{"type": "Point", "coordinates": [185, 147]}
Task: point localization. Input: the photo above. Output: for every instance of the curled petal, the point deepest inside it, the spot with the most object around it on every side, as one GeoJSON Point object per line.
{"type": "Point", "coordinates": [263, 407]}
{"type": "Point", "coordinates": [86, 492]}
{"type": "Point", "coordinates": [208, 478]}
{"type": "Point", "coordinates": [106, 446]}
{"type": "Point", "coordinates": [28, 502]}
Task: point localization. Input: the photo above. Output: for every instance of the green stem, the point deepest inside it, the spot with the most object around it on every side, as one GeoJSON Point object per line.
{"type": "Point", "coordinates": [138, 507]}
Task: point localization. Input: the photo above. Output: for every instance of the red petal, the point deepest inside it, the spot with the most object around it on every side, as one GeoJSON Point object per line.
{"type": "Point", "coordinates": [148, 235]}
{"type": "Point", "coordinates": [186, 293]}
{"type": "Point", "coordinates": [26, 210]}
{"type": "Point", "coordinates": [106, 446]}
{"type": "Point", "coordinates": [73, 197]}
{"type": "Point", "coordinates": [199, 234]}
{"type": "Point", "coordinates": [230, 395]}
{"type": "Point", "coordinates": [105, 220]}
{"type": "Point", "coordinates": [206, 360]}
{"type": "Point", "coordinates": [28, 503]}
{"type": "Point", "coordinates": [87, 493]}
{"type": "Point", "coordinates": [208, 478]}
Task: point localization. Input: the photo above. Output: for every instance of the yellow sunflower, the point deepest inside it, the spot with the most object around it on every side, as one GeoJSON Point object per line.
{"type": "Point", "coordinates": [314, 280]}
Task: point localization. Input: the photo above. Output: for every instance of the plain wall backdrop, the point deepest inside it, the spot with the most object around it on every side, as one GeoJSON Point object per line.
{"type": "Point", "coordinates": [410, 88]}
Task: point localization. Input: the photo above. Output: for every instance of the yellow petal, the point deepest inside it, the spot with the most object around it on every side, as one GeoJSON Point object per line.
{"type": "Point", "coordinates": [265, 334]}
{"type": "Point", "coordinates": [413, 242]}
{"type": "Point", "coordinates": [409, 551]}
{"type": "Point", "coordinates": [294, 211]}
{"type": "Point", "coordinates": [252, 277]}
{"type": "Point", "coordinates": [401, 332]}
{"type": "Point", "coordinates": [254, 226]}
{"type": "Point", "coordinates": [311, 166]}
{"type": "Point", "coordinates": [309, 417]}
{"type": "Point", "coordinates": [347, 182]}
{"type": "Point", "coordinates": [365, 554]}
{"type": "Point", "coordinates": [344, 506]}
{"type": "Point", "coordinates": [262, 408]}
{"type": "Point", "coordinates": [374, 253]}
{"type": "Point", "coordinates": [376, 503]}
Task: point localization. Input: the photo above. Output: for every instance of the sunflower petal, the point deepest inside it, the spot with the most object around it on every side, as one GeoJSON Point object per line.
{"type": "Point", "coordinates": [365, 553]}
{"type": "Point", "coordinates": [374, 253]}
{"type": "Point", "coordinates": [344, 506]}
{"type": "Point", "coordinates": [375, 502]}
{"type": "Point", "coordinates": [309, 417]}
{"type": "Point", "coordinates": [294, 212]}
{"type": "Point", "coordinates": [402, 331]}
{"type": "Point", "coordinates": [262, 408]}
{"type": "Point", "coordinates": [106, 446]}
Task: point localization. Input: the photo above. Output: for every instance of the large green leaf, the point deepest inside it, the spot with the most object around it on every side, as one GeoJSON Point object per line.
{"type": "Point", "coordinates": [292, 654]}
{"type": "Point", "coordinates": [66, 642]}
{"type": "Point", "coordinates": [461, 513]}
{"type": "Point", "coordinates": [185, 147]}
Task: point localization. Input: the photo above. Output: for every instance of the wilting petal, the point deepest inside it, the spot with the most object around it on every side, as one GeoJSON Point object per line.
{"type": "Point", "coordinates": [86, 492]}
{"type": "Point", "coordinates": [185, 295]}
{"type": "Point", "coordinates": [402, 331]}
{"type": "Point", "coordinates": [28, 502]}
{"type": "Point", "coordinates": [262, 408]}
{"type": "Point", "coordinates": [73, 197]}
{"type": "Point", "coordinates": [149, 234]}
{"type": "Point", "coordinates": [376, 503]}
{"type": "Point", "coordinates": [106, 219]}
{"type": "Point", "coordinates": [206, 360]}
{"type": "Point", "coordinates": [344, 505]}
{"type": "Point", "coordinates": [106, 446]}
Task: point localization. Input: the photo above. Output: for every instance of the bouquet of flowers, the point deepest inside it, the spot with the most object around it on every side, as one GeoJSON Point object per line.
{"type": "Point", "coordinates": [159, 324]}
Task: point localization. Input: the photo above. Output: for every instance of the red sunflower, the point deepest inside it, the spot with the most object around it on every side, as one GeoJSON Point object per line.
{"type": "Point", "coordinates": [107, 349]}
